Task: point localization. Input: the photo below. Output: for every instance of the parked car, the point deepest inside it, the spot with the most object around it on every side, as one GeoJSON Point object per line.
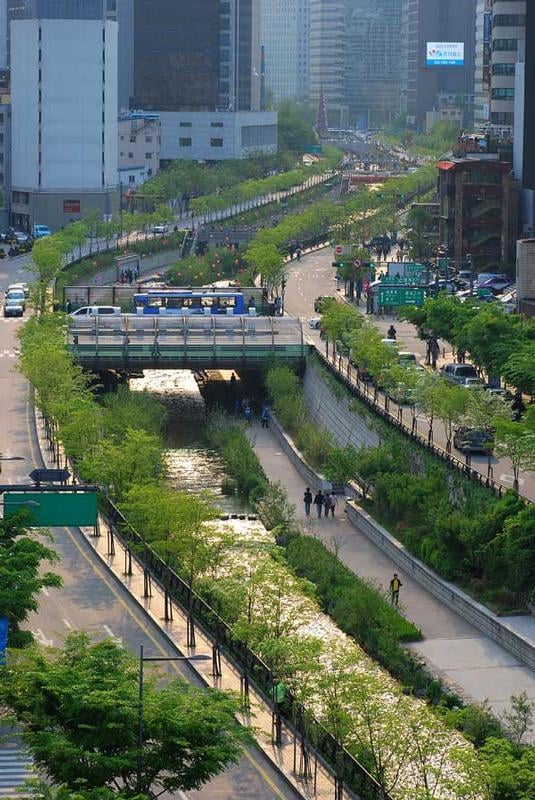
{"type": "Point", "coordinates": [160, 230]}
{"type": "Point", "coordinates": [314, 323]}
{"type": "Point", "coordinates": [473, 440]}
{"type": "Point", "coordinates": [41, 230]}
{"type": "Point", "coordinates": [13, 307]}
{"type": "Point", "coordinates": [457, 373]}
{"type": "Point", "coordinates": [471, 383]}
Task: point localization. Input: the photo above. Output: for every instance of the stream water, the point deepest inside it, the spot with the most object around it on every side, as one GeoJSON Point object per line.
{"type": "Point", "coordinates": [191, 465]}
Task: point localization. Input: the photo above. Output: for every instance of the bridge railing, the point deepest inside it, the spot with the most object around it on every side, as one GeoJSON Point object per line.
{"type": "Point", "coordinates": [209, 336]}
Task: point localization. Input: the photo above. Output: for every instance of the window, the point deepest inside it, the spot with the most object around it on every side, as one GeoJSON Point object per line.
{"type": "Point", "coordinates": [130, 155]}
{"type": "Point", "coordinates": [509, 20]}
{"type": "Point", "coordinates": [501, 118]}
{"type": "Point", "coordinates": [131, 179]}
{"type": "Point", "coordinates": [148, 139]}
{"type": "Point", "coordinates": [503, 94]}
{"type": "Point", "coordinates": [216, 142]}
{"type": "Point", "coordinates": [257, 135]}
{"type": "Point", "coordinates": [21, 198]}
{"type": "Point", "coordinates": [505, 44]}
{"type": "Point", "coordinates": [148, 155]}
{"type": "Point", "coordinates": [216, 124]}
{"type": "Point", "coordinates": [503, 69]}
{"type": "Point", "coordinates": [185, 142]}
{"type": "Point", "coordinates": [185, 125]}
{"type": "Point", "coordinates": [133, 139]}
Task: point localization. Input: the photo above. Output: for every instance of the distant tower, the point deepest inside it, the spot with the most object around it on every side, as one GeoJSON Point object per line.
{"type": "Point", "coordinates": [322, 127]}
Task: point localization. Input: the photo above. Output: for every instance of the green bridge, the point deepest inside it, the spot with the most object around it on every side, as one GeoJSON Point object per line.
{"type": "Point", "coordinates": [137, 342]}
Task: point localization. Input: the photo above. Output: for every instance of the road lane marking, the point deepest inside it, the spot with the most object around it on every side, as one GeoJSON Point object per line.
{"type": "Point", "coordinates": [45, 591]}
{"type": "Point", "coordinates": [113, 637]}
{"type": "Point", "coordinates": [40, 637]}
{"type": "Point", "coordinates": [129, 609]}
{"type": "Point", "coordinates": [67, 624]}
{"type": "Point", "coordinates": [511, 479]}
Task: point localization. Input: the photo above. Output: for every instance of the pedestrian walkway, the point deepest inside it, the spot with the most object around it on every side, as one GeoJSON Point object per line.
{"type": "Point", "coordinates": [172, 621]}
{"type": "Point", "coordinates": [454, 650]}
{"type": "Point", "coordinates": [15, 768]}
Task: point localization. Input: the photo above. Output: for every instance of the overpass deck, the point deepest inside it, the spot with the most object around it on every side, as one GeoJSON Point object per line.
{"type": "Point", "coordinates": [157, 342]}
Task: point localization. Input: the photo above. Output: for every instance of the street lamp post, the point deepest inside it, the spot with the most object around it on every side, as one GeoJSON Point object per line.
{"type": "Point", "coordinates": [142, 659]}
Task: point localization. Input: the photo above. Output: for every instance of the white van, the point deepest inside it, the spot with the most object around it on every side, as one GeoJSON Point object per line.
{"type": "Point", "coordinates": [87, 312]}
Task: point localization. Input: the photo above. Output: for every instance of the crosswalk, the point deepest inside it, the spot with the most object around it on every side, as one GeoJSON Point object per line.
{"type": "Point", "coordinates": [15, 768]}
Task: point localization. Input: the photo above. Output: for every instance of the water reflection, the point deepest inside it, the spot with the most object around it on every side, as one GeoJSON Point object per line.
{"type": "Point", "coordinates": [191, 466]}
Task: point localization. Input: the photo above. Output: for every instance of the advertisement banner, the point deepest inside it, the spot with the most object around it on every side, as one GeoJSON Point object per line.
{"type": "Point", "coordinates": [445, 54]}
{"type": "Point", "coordinates": [3, 640]}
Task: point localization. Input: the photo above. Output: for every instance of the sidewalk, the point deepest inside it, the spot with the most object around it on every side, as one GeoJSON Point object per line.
{"type": "Point", "coordinates": [479, 669]}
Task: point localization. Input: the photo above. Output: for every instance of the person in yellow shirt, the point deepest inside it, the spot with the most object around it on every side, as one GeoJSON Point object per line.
{"type": "Point", "coordinates": [395, 586]}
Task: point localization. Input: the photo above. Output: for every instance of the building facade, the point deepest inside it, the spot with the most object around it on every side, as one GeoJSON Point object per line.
{"type": "Point", "coordinates": [139, 146]}
{"type": "Point", "coordinates": [356, 57]}
{"type": "Point", "coordinates": [508, 34]}
{"type": "Point", "coordinates": [284, 39]}
{"type": "Point", "coordinates": [440, 58]}
{"type": "Point", "coordinates": [478, 211]}
{"type": "Point", "coordinates": [327, 59]}
{"type": "Point", "coordinates": [198, 56]}
{"type": "Point", "coordinates": [218, 135]}
{"type": "Point", "coordinates": [482, 66]}
{"type": "Point", "coordinates": [64, 114]}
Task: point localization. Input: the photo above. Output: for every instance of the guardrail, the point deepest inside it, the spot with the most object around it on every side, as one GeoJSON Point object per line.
{"type": "Point", "coordinates": [214, 338]}
{"type": "Point", "coordinates": [368, 395]}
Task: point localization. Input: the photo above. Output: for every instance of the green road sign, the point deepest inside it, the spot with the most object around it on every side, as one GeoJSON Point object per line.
{"type": "Point", "coordinates": [389, 295]}
{"type": "Point", "coordinates": [413, 268]}
{"type": "Point", "coordinates": [53, 509]}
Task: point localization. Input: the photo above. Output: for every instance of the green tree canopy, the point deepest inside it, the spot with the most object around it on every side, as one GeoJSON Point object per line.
{"type": "Point", "coordinates": [79, 709]}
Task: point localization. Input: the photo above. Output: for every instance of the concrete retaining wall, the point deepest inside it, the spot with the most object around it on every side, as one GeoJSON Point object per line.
{"type": "Point", "coordinates": [334, 413]}
{"type": "Point", "coordinates": [452, 597]}
{"type": "Point", "coordinates": [310, 477]}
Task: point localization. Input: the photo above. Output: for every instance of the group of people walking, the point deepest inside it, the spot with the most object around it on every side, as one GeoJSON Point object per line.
{"type": "Point", "coordinates": [324, 503]}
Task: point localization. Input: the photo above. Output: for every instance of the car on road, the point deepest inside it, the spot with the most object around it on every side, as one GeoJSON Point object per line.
{"type": "Point", "coordinates": [473, 440]}
{"type": "Point", "coordinates": [90, 312]}
{"type": "Point", "coordinates": [457, 373]}
{"type": "Point", "coordinates": [19, 287]}
{"type": "Point", "coordinates": [472, 383]}
{"type": "Point", "coordinates": [314, 323]}
{"type": "Point", "coordinates": [17, 294]}
{"type": "Point", "coordinates": [160, 230]}
{"type": "Point", "coordinates": [13, 307]}
{"type": "Point", "coordinates": [21, 237]}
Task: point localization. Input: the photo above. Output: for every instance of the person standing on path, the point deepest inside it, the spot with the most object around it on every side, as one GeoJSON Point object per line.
{"type": "Point", "coordinates": [327, 504]}
{"type": "Point", "coordinates": [307, 500]}
{"type": "Point", "coordinates": [319, 502]}
{"type": "Point", "coordinates": [334, 502]}
{"type": "Point", "coordinates": [265, 417]}
{"type": "Point", "coordinates": [395, 586]}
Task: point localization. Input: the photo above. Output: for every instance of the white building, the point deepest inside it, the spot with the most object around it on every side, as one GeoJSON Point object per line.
{"type": "Point", "coordinates": [217, 135]}
{"type": "Point", "coordinates": [64, 119]}
{"type": "Point", "coordinates": [139, 146]}
{"type": "Point", "coordinates": [284, 38]}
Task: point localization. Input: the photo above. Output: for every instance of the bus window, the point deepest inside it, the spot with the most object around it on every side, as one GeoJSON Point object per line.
{"type": "Point", "coordinates": [176, 302]}
{"type": "Point", "coordinates": [153, 302]}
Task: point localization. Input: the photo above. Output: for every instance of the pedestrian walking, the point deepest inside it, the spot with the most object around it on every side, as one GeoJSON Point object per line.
{"type": "Point", "coordinates": [327, 504]}
{"type": "Point", "coordinates": [319, 502]}
{"type": "Point", "coordinates": [334, 503]}
{"type": "Point", "coordinates": [307, 500]}
{"type": "Point", "coordinates": [265, 417]}
{"type": "Point", "coordinates": [395, 586]}
{"type": "Point", "coordinates": [248, 414]}
{"type": "Point", "coordinates": [391, 333]}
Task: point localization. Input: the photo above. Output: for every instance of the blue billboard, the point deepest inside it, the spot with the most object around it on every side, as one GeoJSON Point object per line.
{"type": "Point", "coordinates": [445, 54]}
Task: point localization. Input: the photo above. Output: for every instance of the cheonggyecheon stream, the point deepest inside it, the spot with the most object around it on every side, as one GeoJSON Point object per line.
{"type": "Point", "coordinates": [192, 466]}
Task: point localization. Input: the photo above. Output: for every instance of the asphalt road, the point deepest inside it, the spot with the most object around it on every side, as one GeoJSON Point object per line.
{"type": "Point", "coordinates": [90, 599]}
{"type": "Point", "coordinates": [314, 276]}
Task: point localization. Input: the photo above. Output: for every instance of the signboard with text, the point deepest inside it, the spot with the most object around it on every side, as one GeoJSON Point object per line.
{"type": "Point", "coordinates": [445, 54]}
{"type": "Point", "coordinates": [392, 295]}
{"type": "Point", "coordinates": [71, 206]}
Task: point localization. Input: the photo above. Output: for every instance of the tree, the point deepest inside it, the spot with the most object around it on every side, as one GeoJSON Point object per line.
{"type": "Point", "coordinates": [519, 369]}
{"type": "Point", "coordinates": [267, 261]}
{"type": "Point", "coordinates": [419, 223]}
{"type": "Point", "coordinates": [79, 709]}
{"type": "Point", "coordinates": [428, 397]}
{"type": "Point", "coordinates": [519, 719]}
{"type": "Point", "coordinates": [452, 403]}
{"type": "Point", "coordinates": [21, 575]}
{"type": "Point", "coordinates": [517, 443]}
{"type": "Point", "coordinates": [47, 255]}
{"type": "Point", "coordinates": [294, 133]}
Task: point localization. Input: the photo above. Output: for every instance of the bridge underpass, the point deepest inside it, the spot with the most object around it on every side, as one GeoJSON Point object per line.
{"type": "Point", "coordinates": [136, 342]}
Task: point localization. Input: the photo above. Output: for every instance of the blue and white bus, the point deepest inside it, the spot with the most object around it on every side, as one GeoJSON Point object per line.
{"type": "Point", "coordinates": [189, 301]}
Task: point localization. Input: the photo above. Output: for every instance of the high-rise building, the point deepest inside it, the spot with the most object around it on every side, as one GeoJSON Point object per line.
{"type": "Point", "coordinates": [440, 60]}
{"type": "Point", "coordinates": [197, 56]}
{"type": "Point", "coordinates": [284, 38]}
{"type": "Point", "coordinates": [482, 64]}
{"type": "Point", "coordinates": [327, 59]}
{"type": "Point", "coordinates": [508, 32]}
{"type": "Point", "coordinates": [529, 101]}
{"type": "Point", "coordinates": [64, 111]}
{"type": "Point", "coordinates": [356, 58]}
